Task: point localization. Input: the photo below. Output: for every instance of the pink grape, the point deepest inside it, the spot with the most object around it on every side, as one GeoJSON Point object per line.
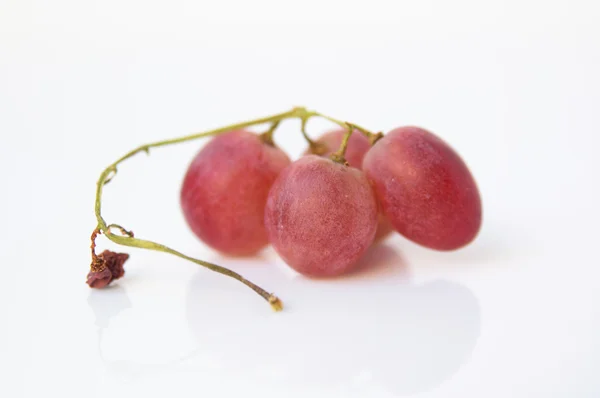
{"type": "Point", "coordinates": [358, 145]}
{"type": "Point", "coordinates": [225, 189]}
{"type": "Point", "coordinates": [425, 188]}
{"type": "Point", "coordinates": [321, 216]}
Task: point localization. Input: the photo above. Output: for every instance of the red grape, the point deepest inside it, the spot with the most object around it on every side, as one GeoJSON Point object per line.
{"type": "Point", "coordinates": [426, 190]}
{"type": "Point", "coordinates": [321, 216]}
{"type": "Point", "coordinates": [225, 190]}
{"type": "Point", "coordinates": [358, 145]}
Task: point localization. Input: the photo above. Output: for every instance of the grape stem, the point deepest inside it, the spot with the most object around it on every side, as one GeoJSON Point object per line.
{"type": "Point", "coordinates": [312, 144]}
{"type": "Point", "coordinates": [339, 156]}
{"type": "Point", "coordinates": [267, 136]}
{"type": "Point", "coordinates": [126, 238]}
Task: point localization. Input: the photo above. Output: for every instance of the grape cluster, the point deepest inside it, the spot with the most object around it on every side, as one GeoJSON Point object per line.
{"type": "Point", "coordinates": [324, 210]}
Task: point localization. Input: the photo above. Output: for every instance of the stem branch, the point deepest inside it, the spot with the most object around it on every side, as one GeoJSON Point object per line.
{"type": "Point", "coordinates": [303, 121]}
{"type": "Point", "coordinates": [267, 136]}
{"type": "Point", "coordinates": [339, 156]}
{"type": "Point", "coordinates": [373, 137]}
{"type": "Point", "coordinates": [127, 239]}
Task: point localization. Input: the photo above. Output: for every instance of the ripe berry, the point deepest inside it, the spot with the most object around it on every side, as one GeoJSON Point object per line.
{"type": "Point", "coordinates": [225, 190]}
{"type": "Point", "coordinates": [358, 145]}
{"type": "Point", "coordinates": [425, 189]}
{"type": "Point", "coordinates": [321, 216]}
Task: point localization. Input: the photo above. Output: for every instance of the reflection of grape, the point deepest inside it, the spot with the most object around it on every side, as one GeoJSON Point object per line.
{"type": "Point", "coordinates": [307, 344]}
{"type": "Point", "coordinates": [108, 303]}
{"type": "Point", "coordinates": [426, 190]}
{"type": "Point", "coordinates": [225, 189]}
{"type": "Point", "coordinates": [433, 334]}
{"type": "Point", "coordinates": [321, 216]}
{"type": "Point", "coordinates": [410, 338]}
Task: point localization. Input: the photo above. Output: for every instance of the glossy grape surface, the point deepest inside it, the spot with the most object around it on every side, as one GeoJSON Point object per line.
{"type": "Point", "coordinates": [321, 216]}
{"type": "Point", "coordinates": [225, 190]}
{"type": "Point", "coordinates": [425, 189]}
{"type": "Point", "coordinates": [358, 145]}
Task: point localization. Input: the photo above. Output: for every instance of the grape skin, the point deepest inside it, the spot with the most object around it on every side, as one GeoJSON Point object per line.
{"type": "Point", "coordinates": [425, 188]}
{"type": "Point", "coordinates": [225, 189]}
{"type": "Point", "coordinates": [321, 216]}
{"type": "Point", "coordinates": [358, 145]}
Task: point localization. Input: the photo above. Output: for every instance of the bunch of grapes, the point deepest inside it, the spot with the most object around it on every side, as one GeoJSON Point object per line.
{"type": "Point", "coordinates": [321, 213]}
{"type": "Point", "coordinates": [350, 189]}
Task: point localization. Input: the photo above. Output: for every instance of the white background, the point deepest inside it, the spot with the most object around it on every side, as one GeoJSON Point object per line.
{"type": "Point", "coordinates": [514, 86]}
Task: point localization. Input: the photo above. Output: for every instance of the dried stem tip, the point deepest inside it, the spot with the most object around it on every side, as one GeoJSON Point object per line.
{"type": "Point", "coordinates": [276, 304]}
{"type": "Point", "coordinates": [105, 268]}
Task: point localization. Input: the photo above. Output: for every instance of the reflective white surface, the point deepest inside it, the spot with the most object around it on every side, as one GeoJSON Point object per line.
{"type": "Point", "coordinates": [513, 86]}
